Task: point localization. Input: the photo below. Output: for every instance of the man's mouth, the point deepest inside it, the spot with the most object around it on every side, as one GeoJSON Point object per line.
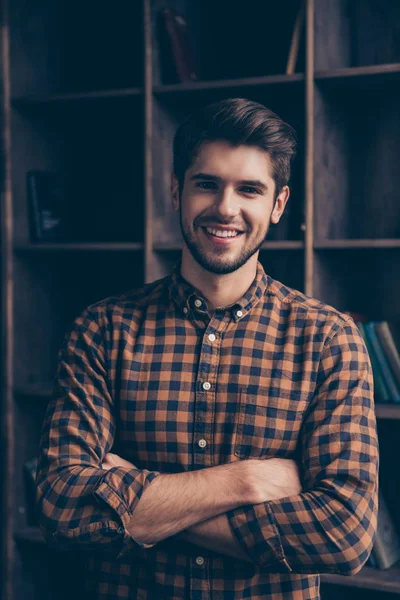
{"type": "Point", "coordinates": [223, 237]}
{"type": "Point", "coordinates": [222, 233]}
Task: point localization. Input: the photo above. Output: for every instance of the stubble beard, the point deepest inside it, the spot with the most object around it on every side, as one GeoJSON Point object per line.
{"type": "Point", "coordinates": [218, 264]}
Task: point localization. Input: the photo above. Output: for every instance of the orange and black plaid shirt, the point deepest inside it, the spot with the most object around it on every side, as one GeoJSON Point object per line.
{"type": "Point", "coordinates": [151, 376]}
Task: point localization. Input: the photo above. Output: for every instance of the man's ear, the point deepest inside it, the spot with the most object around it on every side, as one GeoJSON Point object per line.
{"type": "Point", "coordinates": [174, 193]}
{"type": "Point", "coordinates": [280, 204]}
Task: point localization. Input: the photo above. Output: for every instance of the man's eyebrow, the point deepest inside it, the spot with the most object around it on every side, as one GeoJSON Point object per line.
{"type": "Point", "coordinates": [209, 177]}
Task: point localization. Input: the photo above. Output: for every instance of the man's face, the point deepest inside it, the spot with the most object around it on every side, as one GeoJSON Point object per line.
{"type": "Point", "coordinates": [227, 205]}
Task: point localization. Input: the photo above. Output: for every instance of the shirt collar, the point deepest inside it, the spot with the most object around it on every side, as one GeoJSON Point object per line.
{"type": "Point", "coordinates": [188, 299]}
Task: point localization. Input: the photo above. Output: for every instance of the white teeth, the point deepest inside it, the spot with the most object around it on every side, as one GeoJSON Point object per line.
{"type": "Point", "coordinates": [222, 233]}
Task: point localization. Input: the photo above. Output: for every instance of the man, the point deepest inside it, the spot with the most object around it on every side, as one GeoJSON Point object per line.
{"type": "Point", "coordinates": [213, 434]}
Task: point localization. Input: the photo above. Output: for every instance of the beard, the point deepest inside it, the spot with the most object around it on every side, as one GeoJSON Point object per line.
{"type": "Point", "coordinates": [217, 263]}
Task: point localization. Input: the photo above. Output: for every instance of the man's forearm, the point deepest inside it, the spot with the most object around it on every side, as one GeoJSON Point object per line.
{"type": "Point", "coordinates": [175, 502]}
{"type": "Point", "coordinates": [215, 534]}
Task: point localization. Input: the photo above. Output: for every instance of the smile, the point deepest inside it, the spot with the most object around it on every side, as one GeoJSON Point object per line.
{"type": "Point", "coordinates": [222, 233]}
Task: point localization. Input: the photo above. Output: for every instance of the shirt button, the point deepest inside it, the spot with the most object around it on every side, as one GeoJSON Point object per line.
{"type": "Point", "coordinates": [206, 385]}
{"type": "Point", "coordinates": [202, 443]}
{"type": "Point", "coordinates": [239, 313]}
{"type": "Point", "coordinates": [197, 303]}
{"type": "Point", "coordinates": [200, 560]}
{"type": "Point", "coordinates": [185, 310]}
{"type": "Point", "coordinates": [211, 337]}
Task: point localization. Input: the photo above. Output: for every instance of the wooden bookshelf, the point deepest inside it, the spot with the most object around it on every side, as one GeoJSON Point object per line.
{"type": "Point", "coordinates": [101, 111]}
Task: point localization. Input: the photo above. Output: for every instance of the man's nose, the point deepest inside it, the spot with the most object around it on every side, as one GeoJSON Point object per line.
{"type": "Point", "coordinates": [228, 203]}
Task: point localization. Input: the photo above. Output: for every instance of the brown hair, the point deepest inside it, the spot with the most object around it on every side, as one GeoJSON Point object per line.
{"type": "Point", "coordinates": [240, 122]}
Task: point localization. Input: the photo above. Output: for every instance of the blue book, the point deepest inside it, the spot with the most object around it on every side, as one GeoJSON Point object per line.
{"type": "Point", "coordinates": [390, 382]}
{"type": "Point", "coordinates": [381, 391]}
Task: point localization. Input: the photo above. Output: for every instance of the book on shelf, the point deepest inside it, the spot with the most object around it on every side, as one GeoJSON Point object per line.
{"type": "Point", "coordinates": [178, 59]}
{"type": "Point", "coordinates": [47, 207]}
{"type": "Point", "coordinates": [386, 548]}
{"type": "Point", "coordinates": [384, 357]}
{"type": "Point", "coordinates": [295, 41]}
{"type": "Point", "coordinates": [30, 468]}
{"type": "Point", "coordinates": [390, 382]}
{"type": "Point", "coordinates": [381, 392]}
{"type": "Point", "coordinates": [385, 336]}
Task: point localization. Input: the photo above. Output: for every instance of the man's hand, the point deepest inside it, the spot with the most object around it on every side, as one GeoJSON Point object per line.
{"type": "Point", "coordinates": [113, 460]}
{"type": "Point", "coordinates": [270, 479]}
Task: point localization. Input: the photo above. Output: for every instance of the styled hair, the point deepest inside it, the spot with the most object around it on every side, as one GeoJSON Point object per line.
{"type": "Point", "coordinates": [237, 121]}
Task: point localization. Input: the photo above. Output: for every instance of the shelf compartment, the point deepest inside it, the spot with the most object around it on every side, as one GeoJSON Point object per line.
{"type": "Point", "coordinates": [234, 52]}
{"type": "Point", "coordinates": [51, 49]}
{"type": "Point", "coordinates": [97, 153]}
{"type": "Point", "coordinates": [356, 167]}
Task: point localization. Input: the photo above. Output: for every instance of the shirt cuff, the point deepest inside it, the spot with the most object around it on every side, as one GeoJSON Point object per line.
{"type": "Point", "coordinates": [109, 491]}
{"type": "Point", "coordinates": [255, 529]}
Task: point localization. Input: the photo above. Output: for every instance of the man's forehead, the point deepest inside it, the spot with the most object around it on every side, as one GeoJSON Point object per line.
{"type": "Point", "coordinates": [219, 157]}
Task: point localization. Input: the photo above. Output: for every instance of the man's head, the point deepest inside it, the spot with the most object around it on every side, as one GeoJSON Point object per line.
{"type": "Point", "coordinates": [231, 171]}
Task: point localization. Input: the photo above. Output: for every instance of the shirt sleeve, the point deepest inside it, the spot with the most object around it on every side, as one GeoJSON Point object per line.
{"type": "Point", "coordinates": [77, 501]}
{"type": "Point", "coordinates": [329, 527]}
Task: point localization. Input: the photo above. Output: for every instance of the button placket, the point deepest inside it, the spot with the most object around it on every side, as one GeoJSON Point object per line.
{"type": "Point", "coordinates": [204, 419]}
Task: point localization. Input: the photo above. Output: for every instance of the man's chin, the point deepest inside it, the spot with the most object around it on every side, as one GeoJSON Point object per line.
{"type": "Point", "coordinates": [218, 266]}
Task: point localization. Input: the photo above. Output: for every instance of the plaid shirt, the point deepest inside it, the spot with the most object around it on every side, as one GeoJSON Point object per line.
{"type": "Point", "coordinates": [289, 377]}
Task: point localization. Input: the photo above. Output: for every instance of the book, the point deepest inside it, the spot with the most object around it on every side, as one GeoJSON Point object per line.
{"type": "Point", "coordinates": [295, 42]}
{"type": "Point", "coordinates": [46, 207]}
{"type": "Point", "coordinates": [178, 60]}
{"type": "Point", "coordinates": [371, 562]}
{"type": "Point", "coordinates": [389, 380]}
{"type": "Point", "coordinates": [389, 347]}
{"type": "Point", "coordinates": [386, 543]}
{"type": "Point", "coordinates": [381, 392]}
{"type": "Point", "coordinates": [30, 468]}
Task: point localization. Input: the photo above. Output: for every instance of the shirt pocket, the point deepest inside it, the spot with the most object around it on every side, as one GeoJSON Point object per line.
{"type": "Point", "coordinates": [268, 426]}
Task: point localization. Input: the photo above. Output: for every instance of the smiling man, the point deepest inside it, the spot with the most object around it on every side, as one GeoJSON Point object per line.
{"type": "Point", "coordinates": [212, 435]}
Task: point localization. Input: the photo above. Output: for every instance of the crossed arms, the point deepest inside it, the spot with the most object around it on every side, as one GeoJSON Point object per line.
{"type": "Point", "coordinates": [194, 504]}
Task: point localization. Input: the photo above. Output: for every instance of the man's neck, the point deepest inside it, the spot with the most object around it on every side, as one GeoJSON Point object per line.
{"type": "Point", "coordinates": [218, 290]}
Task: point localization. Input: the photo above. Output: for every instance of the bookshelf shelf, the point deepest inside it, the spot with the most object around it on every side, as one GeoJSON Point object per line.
{"type": "Point", "coordinates": [84, 247]}
{"type": "Point", "coordinates": [283, 245]}
{"type": "Point", "coordinates": [387, 411]}
{"type": "Point", "coordinates": [367, 578]}
{"type": "Point", "coordinates": [35, 390]}
{"type": "Point", "coordinates": [350, 75]}
{"type": "Point", "coordinates": [31, 535]}
{"type": "Point", "coordinates": [31, 101]}
{"type": "Point", "coordinates": [269, 245]}
{"type": "Point", "coordinates": [364, 244]}
{"type": "Point", "coordinates": [269, 80]}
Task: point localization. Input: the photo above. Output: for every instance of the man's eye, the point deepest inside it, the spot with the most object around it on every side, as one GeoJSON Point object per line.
{"type": "Point", "coordinates": [206, 185]}
{"type": "Point", "coordinates": [250, 190]}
